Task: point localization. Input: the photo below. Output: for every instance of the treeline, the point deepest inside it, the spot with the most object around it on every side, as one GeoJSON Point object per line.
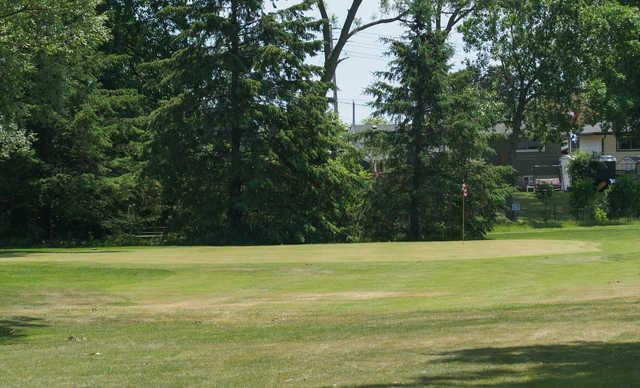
{"type": "Point", "coordinates": [206, 117]}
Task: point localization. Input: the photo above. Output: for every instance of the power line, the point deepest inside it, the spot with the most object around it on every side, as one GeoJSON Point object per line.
{"type": "Point", "coordinates": [363, 44]}
{"type": "Point", "coordinates": [353, 54]}
{"type": "Point", "coordinates": [351, 103]}
{"type": "Point", "coordinates": [358, 52]}
{"type": "Point", "coordinates": [356, 100]}
{"type": "Point", "coordinates": [370, 34]}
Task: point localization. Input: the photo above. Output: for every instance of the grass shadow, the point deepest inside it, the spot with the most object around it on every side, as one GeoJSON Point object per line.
{"type": "Point", "coordinates": [545, 224]}
{"type": "Point", "coordinates": [13, 328]}
{"type": "Point", "coordinates": [10, 254]}
{"type": "Point", "coordinates": [585, 364]}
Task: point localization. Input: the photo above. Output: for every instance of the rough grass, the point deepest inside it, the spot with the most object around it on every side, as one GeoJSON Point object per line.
{"type": "Point", "coordinates": [533, 210]}
{"type": "Point", "coordinates": [529, 308]}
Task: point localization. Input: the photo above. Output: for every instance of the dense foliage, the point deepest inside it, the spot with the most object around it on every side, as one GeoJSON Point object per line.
{"type": "Point", "coordinates": [206, 118]}
{"type": "Point", "coordinates": [590, 202]}
{"type": "Point", "coordinates": [624, 198]}
{"type": "Point", "coordinates": [532, 55]}
{"type": "Point", "coordinates": [246, 150]}
{"type": "Point", "coordinates": [439, 143]}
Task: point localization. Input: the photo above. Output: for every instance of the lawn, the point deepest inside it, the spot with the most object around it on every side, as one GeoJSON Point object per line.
{"type": "Point", "coordinates": [544, 307]}
{"type": "Point", "coordinates": [532, 209]}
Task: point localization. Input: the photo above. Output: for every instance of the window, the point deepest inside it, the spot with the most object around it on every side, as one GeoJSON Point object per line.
{"type": "Point", "coordinates": [628, 142]}
{"type": "Point", "coordinates": [529, 146]}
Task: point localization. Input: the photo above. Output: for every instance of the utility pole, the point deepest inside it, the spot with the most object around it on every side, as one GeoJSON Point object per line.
{"type": "Point", "coordinates": [353, 114]}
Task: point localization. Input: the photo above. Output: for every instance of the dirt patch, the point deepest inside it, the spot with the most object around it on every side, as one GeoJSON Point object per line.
{"type": "Point", "coordinates": [185, 304]}
{"type": "Point", "coordinates": [363, 295]}
{"type": "Point", "coordinates": [229, 304]}
{"type": "Point", "coordinates": [328, 253]}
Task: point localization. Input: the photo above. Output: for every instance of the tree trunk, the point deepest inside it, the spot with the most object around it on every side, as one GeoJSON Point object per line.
{"type": "Point", "coordinates": [333, 51]}
{"type": "Point", "coordinates": [234, 213]}
{"type": "Point", "coordinates": [515, 135]}
{"type": "Point", "coordinates": [416, 180]}
{"type": "Point", "coordinates": [417, 171]}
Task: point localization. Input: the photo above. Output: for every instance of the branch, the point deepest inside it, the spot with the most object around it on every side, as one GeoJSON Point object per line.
{"type": "Point", "coordinates": [22, 10]}
{"type": "Point", "coordinates": [332, 59]}
{"type": "Point", "coordinates": [456, 17]}
{"type": "Point", "coordinates": [377, 22]}
{"type": "Point", "coordinates": [331, 62]}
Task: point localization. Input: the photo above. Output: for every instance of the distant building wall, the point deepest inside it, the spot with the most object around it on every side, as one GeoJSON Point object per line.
{"type": "Point", "coordinates": [610, 148]}
{"type": "Point", "coordinates": [591, 144]}
{"type": "Point", "coordinates": [530, 164]}
{"type": "Point", "coordinates": [608, 145]}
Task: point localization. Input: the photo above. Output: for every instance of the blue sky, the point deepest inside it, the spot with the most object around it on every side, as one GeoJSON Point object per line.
{"type": "Point", "coordinates": [366, 56]}
{"type": "Point", "coordinates": [365, 53]}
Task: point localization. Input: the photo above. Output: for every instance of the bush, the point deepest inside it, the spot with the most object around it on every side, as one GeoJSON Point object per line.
{"type": "Point", "coordinates": [599, 208]}
{"type": "Point", "coordinates": [584, 166]}
{"type": "Point", "coordinates": [624, 198]}
{"type": "Point", "coordinates": [582, 195]}
{"type": "Point", "coordinates": [545, 194]}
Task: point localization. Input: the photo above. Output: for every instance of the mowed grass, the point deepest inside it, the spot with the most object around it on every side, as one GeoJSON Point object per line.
{"type": "Point", "coordinates": [556, 307]}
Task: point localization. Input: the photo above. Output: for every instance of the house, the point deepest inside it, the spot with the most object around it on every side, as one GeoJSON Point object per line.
{"type": "Point", "coordinates": [625, 149]}
{"type": "Point", "coordinates": [534, 162]}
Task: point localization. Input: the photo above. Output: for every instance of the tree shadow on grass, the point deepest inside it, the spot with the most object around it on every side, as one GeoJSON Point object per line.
{"type": "Point", "coordinates": [540, 224]}
{"type": "Point", "coordinates": [10, 254]}
{"type": "Point", "coordinates": [13, 328]}
{"type": "Point", "coordinates": [585, 364]}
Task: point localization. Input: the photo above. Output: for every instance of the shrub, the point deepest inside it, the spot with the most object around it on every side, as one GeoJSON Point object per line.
{"type": "Point", "coordinates": [599, 208]}
{"type": "Point", "coordinates": [545, 194]}
{"type": "Point", "coordinates": [582, 195]}
{"type": "Point", "coordinates": [584, 166]}
{"type": "Point", "coordinates": [624, 198]}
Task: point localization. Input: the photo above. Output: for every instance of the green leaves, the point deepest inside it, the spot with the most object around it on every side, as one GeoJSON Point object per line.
{"type": "Point", "coordinates": [612, 33]}
{"type": "Point", "coordinates": [247, 149]}
{"type": "Point", "coordinates": [439, 142]}
{"type": "Point", "coordinates": [35, 27]}
{"type": "Point", "coordinates": [532, 53]}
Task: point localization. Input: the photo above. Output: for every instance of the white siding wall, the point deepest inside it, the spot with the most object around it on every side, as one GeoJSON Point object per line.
{"type": "Point", "coordinates": [591, 144]}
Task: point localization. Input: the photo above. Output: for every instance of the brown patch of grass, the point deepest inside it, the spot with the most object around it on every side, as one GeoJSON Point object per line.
{"type": "Point", "coordinates": [329, 253]}
{"type": "Point", "coordinates": [362, 295]}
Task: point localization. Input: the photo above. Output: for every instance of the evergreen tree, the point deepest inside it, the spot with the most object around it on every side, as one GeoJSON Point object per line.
{"type": "Point", "coordinates": [244, 148]}
{"type": "Point", "coordinates": [439, 142]}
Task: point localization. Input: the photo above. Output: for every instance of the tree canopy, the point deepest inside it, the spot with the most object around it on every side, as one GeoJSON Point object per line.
{"type": "Point", "coordinates": [208, 120]}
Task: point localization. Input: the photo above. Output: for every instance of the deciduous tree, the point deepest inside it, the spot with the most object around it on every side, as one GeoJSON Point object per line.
{"type": "Point", "coordinates": [533, 55]}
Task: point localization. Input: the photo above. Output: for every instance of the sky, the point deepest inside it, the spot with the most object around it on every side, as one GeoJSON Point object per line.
{"type": "Point", "coordinates": [365, 54]}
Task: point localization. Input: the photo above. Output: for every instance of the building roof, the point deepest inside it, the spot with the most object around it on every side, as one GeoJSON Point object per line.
{"type": "Point", "coordinates": [592, 130]}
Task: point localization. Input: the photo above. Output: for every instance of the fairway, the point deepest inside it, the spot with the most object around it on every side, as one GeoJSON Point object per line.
{"type": "Point", "coordinates": [552, 307]}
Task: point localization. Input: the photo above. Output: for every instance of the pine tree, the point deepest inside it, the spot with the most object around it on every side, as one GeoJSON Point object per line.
{"type": "Point", "coordinates": [439, 142]}
{"type": "Point", "coordinates": [245, 148]}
